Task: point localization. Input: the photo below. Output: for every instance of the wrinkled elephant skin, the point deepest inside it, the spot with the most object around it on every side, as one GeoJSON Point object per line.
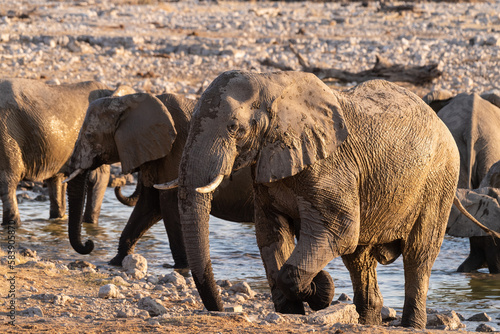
{"type": "Point", "coordinates": [38, 129]}
{"type": "Point", "coordinates": [367, 174]}
{"type": "Point", "coordinates": [474, 121]}
{"type": "Point", "coordinates": [149, 138]}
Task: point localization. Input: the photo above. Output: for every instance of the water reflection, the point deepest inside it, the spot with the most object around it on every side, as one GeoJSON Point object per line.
{"type": "Point", "coordinates": [235, 256]}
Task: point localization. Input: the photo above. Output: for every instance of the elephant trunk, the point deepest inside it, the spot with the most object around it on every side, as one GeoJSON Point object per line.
{"type": "Point", "coordinates": [194, 209]}
{"type": "Point", "coordinates": [76, 198]}
{"type": "Point", "coordinates": [129, 200]}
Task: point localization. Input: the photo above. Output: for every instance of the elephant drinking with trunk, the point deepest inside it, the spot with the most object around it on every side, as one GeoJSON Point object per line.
{"type": "Point", "coordinates": [367, 174]}
{"type": "Point", "coordinates": [39, 124]}
{"type": "Point", "coordinates": [146, 133]}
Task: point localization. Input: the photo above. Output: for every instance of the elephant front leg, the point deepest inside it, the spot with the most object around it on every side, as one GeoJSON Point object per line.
{"type": "Point", "coordinates": [9, 200]}
{"type": "Point", "coordinates": [145, 214]}
{"type": "Point", "coordinates": [275, 239]}
{"type": "Point", "coordinates": [367, 297]}
{"type": "Point", "coordinates": [57, 196]}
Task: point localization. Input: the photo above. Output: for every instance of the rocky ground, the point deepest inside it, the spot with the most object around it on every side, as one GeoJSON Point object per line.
{"type": "Point", "coordinates": [180, 48]}
{"type": "Point", "coordinates": [78, 297]}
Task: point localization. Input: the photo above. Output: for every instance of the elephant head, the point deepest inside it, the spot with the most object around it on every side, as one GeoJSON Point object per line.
{"type": "Point", "coordinates": [279, 123]}
{"type": "Point", "coordinates": [132, 129]}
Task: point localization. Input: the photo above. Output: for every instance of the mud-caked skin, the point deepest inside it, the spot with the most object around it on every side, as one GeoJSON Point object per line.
{"type": "Point", "coordinates": [147, 133]}
{"type": "Point", "coordinates": [366, 174]}
{"type": "Point", "coordinates": [39, 124]}
{"type": "Point", "coordinates": [474, 120]}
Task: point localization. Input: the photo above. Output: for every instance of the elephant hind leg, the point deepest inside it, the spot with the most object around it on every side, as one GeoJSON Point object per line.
{"type": "Point", "coordinates": [368, 299]}
{"type": "Point", "coordinates": [477, 258]}
{"type": "Point", "coordinates": [420, 250]}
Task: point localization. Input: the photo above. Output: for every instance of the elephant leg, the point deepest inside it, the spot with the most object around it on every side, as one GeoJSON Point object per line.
{"type": "Point", "coordinates": [9, 200]}
{"type": "Point", "coordinates": [367, 297]}
{"type": "Point", "coordinates": [275, 238]}
{"type": "Point", "coordinates": [477, 258]}
{"type": "Point", "coordinates": [57, 196]}
{"type": "Point", "coordinates": [172, 222]}
{"type": "Point", "coordinates": [491, 248]}
{"type": "Point", "coordinates": [323, 236]}
{"type": "Point", "coordinates": [419, 253]}
{"type": "Point", "coordinates": [98, 182]}
{"type": "Point", "coordinates": [145, 214]}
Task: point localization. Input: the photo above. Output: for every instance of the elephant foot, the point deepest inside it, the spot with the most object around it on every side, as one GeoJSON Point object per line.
{"type": "Point", "coordinates": [12, 222]}
{"type": "Point", "coordinates": [470, 265]}
{"type": "Point", "coordinates": [286, 306]}
{"type": "Point", "coordinates": [117, 260]}
{"type": "Point", "coordinates": [323, 290]}
{"type": "Point", "coordinates": [63, 217]}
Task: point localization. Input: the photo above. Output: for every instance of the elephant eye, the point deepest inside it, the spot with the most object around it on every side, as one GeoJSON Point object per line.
{"type": "Point", "coordinates": [232, 127]}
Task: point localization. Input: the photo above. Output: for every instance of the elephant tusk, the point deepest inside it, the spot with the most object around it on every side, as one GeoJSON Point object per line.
{"type": "Point", "coordinates": [73, 175]}
{"type": "Point", "coordinates": [211, 186]}
{"type": "Point", "coordinates": [169, 185]}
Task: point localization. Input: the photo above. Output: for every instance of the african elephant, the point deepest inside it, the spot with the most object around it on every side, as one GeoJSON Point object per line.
{"type": "Point", "coordinates": [367, 174]}
{"type": "Point", "coordinates": [147, 133]}
{"type": "Point", "coordinates": [39, 124]}
{"type": "Point", "coordinates": [474, 121]}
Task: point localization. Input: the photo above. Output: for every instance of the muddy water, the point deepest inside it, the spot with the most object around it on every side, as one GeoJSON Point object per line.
{"type": "Point", "coordinates": [235, 257]}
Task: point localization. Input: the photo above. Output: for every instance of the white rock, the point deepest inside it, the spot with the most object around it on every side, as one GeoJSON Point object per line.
{"type": "Point", "coordinates": [338, 313]}
{"type": "Point", "coordinates": [135, 265]}
{"type": "Point", "coordinates": [108, 291]}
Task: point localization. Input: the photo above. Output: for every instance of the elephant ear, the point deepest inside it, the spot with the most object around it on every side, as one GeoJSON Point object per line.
{"type": "Point", "coordinates": [145, 131]}
{"type": "Point", "coordinates": [307, 125]}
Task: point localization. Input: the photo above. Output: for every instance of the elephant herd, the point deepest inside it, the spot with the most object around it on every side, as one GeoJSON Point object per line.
{"type": "Point", "coordinates": [367, 174]}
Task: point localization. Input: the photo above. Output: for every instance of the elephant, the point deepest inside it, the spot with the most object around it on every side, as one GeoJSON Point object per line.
{"type": "Point", "coordinates": [474, 120]}
{"type": "Point", "coordinates": [146, 133]}
{"type": "Point", "coordinates": [39, 124]}
{"type": "Point", "coordinates": [367, 174]}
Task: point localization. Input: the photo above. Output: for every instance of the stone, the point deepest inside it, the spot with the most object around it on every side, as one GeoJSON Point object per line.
{"type": "Point", "coordinates": [108, 291]}
{"type": "Point", "coordinates": [132, 313]}
{"type": "Point", "coordinates": [61, 300]}
{"type": "Point", "coordinates": [485, 328]}
{"type": "Point", "coordinates": [135, 265]}
{"type": "Point", "coordinates": [274, 318]}
{"type": "Point", "coordinates": [243, 287]}
{"type": "Point", "coordinates": [153, 306]}
{"type": "Point", "coordinates": [233, 308]}
{"type": "Point", "coordinates": [174, 277]}
{"type": "Point", "coordinates": [338, 313]}
{"type": "Point", "coordinates": [480, 317]}
{"type": "Point", "coordinates": [34, 311]}
{"type": "Point", "coordinates": [388, 313]}
{"type": "Point", "coordinates": [79, 264]}
{"type": "Point", "coordinates": [444, 321]}
{"type": "Point", "coordinates": [344, 298]}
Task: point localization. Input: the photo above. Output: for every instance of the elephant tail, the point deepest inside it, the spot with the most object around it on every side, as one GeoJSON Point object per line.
{"type": "Point", "coordinates": [474, 220]}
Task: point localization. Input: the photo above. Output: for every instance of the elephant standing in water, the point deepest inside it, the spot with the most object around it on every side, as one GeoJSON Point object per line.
{"type": "Point", "coordinates": [474, 122]}
{"type": "Point", "coordinates": [367, 174]}
{"type": "Point", "coordinates": [146, 133]}
{"type": "Point", "coordinates": [39, 124]}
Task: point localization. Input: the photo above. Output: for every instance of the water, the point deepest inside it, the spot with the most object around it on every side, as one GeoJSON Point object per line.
{"type": "Point", "coordinates": [235, 256]}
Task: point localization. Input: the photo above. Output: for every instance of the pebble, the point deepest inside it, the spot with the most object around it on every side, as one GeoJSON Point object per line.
{"type": "Point", "coordinates": [135, 265]}
{"type": "Point", "coordinates": [480, 317]}
{"type": "Point", "coordinates": [153, 306]}
{"type": "Point", "coordinates": [109, 291]}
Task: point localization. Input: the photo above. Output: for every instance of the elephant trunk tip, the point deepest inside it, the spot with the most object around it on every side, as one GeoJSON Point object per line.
{"type": "Point", "coordinates": [84, 249]}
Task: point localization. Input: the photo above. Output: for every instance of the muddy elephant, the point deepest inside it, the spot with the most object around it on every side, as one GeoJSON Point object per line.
{"type": "Point", "coordinates": [147, 134]}
{"type": "Point", "coordinates": [39, 124]}
{"type": "Point", "coordinates": [474, 122]}
{"type": "Point", "coordinates": [367, 174]}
